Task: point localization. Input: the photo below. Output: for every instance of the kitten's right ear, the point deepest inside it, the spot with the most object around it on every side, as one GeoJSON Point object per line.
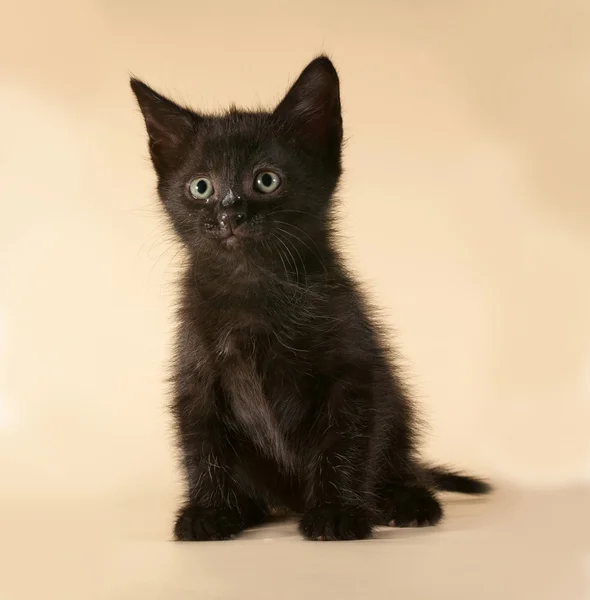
{"type": "Point", "coordinates": [169, 125]}
{"type": "Point", "coordinates": [312, 106]}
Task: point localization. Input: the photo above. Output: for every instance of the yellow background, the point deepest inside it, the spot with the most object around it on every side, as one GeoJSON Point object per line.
{"type": "Point", "coordinates": [465, 208]}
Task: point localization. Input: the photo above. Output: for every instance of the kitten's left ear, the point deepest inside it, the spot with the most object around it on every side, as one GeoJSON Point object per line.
{"type": "Point", "coordinates": [169, 126]}
{"type": "Point", "coordinates": [312, 105]}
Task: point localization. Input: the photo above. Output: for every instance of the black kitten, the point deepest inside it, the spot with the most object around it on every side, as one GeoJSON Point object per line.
{"type": "Point", "coordinates": [284, 388]}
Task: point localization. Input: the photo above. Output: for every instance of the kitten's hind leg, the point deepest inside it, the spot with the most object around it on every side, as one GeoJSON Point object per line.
{"type": "Point", "coordinates": [408, 505]}
{"type": "Point", "coordinates": [410, 501]}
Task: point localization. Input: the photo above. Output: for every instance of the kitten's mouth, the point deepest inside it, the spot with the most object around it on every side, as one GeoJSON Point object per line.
{"type": "Point", "coordinates": [230, 237]}
{"type": "Point", "coordinates": [230, 241]}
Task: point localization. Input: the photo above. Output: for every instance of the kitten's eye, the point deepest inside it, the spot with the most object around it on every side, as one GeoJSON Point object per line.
{"type": "Point", "coordinates": [201, 188]}
{"type": "Point", "coordinates": [267, 182]}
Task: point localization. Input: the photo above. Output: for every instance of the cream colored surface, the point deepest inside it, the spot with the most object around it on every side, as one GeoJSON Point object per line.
{"type": "Point", "coordinates": [466, 209]}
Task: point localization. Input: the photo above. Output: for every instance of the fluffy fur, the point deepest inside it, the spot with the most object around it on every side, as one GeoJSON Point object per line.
{"type": "Point", "coordinates": [285, 392]}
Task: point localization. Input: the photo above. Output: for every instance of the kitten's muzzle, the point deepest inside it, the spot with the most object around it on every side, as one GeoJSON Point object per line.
{"type": "Point", "coordinates": [230, 221]}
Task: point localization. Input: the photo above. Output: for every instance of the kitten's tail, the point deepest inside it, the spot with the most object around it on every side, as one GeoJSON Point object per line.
{"type": "Point", "coordinates": [449, 480]}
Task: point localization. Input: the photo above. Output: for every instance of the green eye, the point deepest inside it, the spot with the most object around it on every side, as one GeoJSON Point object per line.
{"type": "Point", "coordinates": [201, 188]}
{"type": "Point", "coordinates": [267, 182]}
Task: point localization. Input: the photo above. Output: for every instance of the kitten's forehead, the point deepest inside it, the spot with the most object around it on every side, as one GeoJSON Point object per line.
{"type": "Point", "coordinates": [235, 140]}
{"type": "Point", "coordinates": [236, 128]}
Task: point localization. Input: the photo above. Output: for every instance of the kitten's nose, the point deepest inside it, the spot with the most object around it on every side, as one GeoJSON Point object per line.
{"type": "Point", "coordinates": [231, 220]}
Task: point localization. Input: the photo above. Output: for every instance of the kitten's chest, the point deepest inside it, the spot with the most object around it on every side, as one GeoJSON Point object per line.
{"type": "Point", "coordinates": [245, 385]}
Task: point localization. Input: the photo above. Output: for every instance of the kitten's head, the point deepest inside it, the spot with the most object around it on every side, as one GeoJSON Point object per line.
{"type": "Point", "coordinates": [249, 186]}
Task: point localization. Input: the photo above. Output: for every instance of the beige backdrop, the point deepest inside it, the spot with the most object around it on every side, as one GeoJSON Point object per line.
{"type": "Point", "coordinates": [466, 209]}
{"type": "Point", "coordinates": [465, 204]}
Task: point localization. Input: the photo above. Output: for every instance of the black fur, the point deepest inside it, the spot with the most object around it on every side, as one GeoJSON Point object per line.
{"type": "Point", "coordinates": [285, 392]}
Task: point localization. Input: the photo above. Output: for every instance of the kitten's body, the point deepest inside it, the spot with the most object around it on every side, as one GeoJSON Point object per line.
{"type": "Point", "coordinates": [285, 392]}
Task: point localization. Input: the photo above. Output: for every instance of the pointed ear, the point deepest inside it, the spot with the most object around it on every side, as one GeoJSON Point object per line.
{"type": "Point", "coordinates": [312, 106]}
{"type": "Point", "coordinates": [169, 126]}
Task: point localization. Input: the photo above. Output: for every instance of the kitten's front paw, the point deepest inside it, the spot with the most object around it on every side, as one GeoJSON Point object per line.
{"type": "Point", "coordinates": [411, 506]}
{"type": "Point", "coordinates": [198, 524]}
{"type": "Point", "coordinates": [335, 523]}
